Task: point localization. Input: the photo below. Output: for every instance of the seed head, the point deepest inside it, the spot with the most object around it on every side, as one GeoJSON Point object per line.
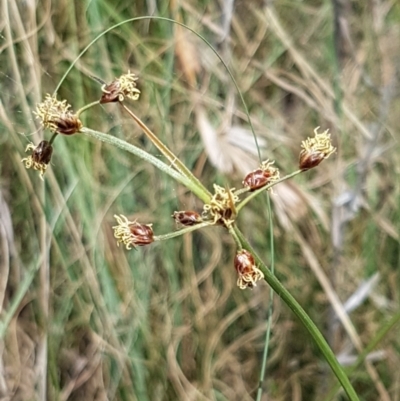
{"type": "Point", "coordinates": [187, 218]}
{"type": "Point", "coordinates": [221, 208]}
{"type": "Point", "coordinates": [248, 273]}
{"type": "Point", "coordinates": [57, 116]}
{"type": "Point", "coordinates": [40, 157]}
{"type": "Point", "coordinates": [120, 88]}
{"type": "Point", "coordinates": [261, 177]}
{"type": "Point", "coordinates": [315, 150]}
{"type": "Point", "coordinates": [132, 233]}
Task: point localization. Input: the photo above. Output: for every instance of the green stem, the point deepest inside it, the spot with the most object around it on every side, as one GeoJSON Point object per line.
{"type": "Point", "coordinates": [185, 230]}
{"type": "Point", "coordinates": [290, 301]}
{"type": "Point", "coordinates": [86, 107]}
{"type": "Point", "coordinates": [54, 136]}
{"type": "Point", "coordinates": [235, 237]}
{"type": "Point", "coordinates": [258, 191]}
{"type": "Point", "coordinates": [271, 304]}
{"type": "Point", "coordinates": [175, 162]}
{"type": "Point", "coordinates": [176, 175]}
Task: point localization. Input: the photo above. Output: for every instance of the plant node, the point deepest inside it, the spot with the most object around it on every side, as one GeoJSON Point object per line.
{"type": "Point", "coordinates": [221, 208]}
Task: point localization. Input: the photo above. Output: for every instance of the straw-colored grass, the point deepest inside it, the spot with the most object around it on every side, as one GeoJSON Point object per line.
{"type": "Point", "coordinates": [82, 319]}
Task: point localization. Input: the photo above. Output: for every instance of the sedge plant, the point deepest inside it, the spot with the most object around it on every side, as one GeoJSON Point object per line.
{"type": "Point", "coordinates": [221, 205]}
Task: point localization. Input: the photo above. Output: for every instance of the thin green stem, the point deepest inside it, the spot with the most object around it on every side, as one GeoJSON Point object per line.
{"type": "Point", "coordinates": [176, 175]}
{"type": "Point", "coordinates": [232, 231]}
{"type": "Point", "coordinates": [185, 230]}
{"type": "Point", "coordinates": [175, 162]}
{"type": "Point", "coordinates": [52, 139]}
{"type": "Point", "coordinates": [260, 190]}
{"type": "Point", "coordinates": [86, 107]}
{"type": "Point", "coordinates": [296, 308]}
{"type": "Point", "coordinates": [271, 304]}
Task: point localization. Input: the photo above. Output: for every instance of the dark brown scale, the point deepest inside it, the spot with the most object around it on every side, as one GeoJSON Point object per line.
{"type": "Point", "coordinates": [67, 124]}
{"type": "Point", "coordinates": [227, 214]}
{"type": "Point", "coordinates": [111, 92]}
{"type": "Point", "coordinates": [187, 218]}
{"type": "Point", "coordinates": [143, 234]}
{"type": "Point", "coordinates": [310, 159]}
{"type": "Point", "coordinates": [42, 153]}
{"type": "Point", "coordinates": [256, 179]}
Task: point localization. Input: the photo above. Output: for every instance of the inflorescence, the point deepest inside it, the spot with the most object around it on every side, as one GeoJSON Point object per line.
{"type": "Point", "coordinates": [40, 157]}
{"type": "Point", "coordinates": [264, 175]}
{"type": "Point", "coordinates": [132, 233]}
{"type": "Point", "coordinates": [315, 150]}
{"type": "Point", "coordinates": [58, 117]}
{"type": "Point", "coordinates": [248, 273]}
{"type": "Point", "coordinates": [120, 88]}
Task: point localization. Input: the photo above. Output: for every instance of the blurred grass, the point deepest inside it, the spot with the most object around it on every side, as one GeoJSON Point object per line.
{"type": "Point", "coordinates": [167, 322]}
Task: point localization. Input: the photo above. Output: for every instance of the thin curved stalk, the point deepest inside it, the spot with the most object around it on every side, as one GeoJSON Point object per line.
{"type": "Point", "coordinates": [158, 18]}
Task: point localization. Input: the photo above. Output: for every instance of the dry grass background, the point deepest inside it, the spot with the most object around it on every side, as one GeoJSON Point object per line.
{"type": "Point", "coordinates": [82, 319]}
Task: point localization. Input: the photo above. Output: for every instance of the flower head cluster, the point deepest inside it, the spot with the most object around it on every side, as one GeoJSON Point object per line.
{"type": "Point", "coordinates": [221, 208]}
{"type": "Point", "coordinates": [248, 273]}
{"type": "Point", "coordinates": [132, 233]}
{"type": "Point", "coordinates": [315, 150]}
{"type": "Point", "coordinates": [57, 116]}
{"type": "Point", "coordinates": [120, 88]}
{"type": "Point", "coordinates": [40, 157]}
{"type": "Point", "coordinates": [261, 177]}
